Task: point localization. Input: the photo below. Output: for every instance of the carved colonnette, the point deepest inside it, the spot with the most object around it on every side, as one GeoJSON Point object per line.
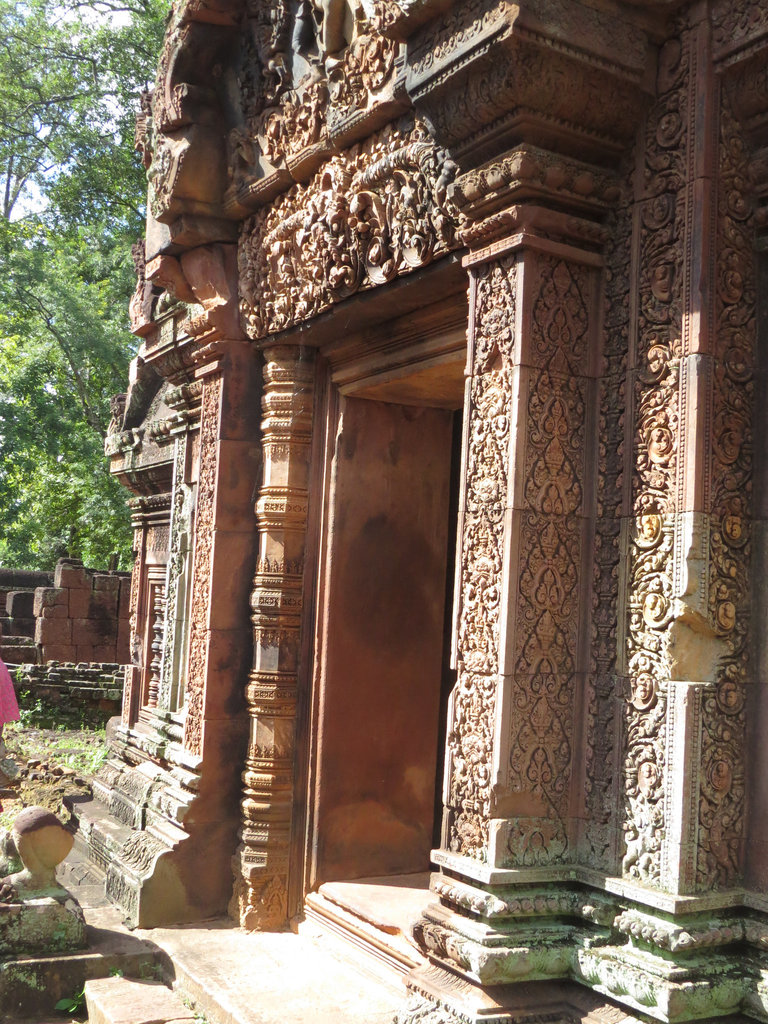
{"type": "Point", "coordinates": [261, 885]}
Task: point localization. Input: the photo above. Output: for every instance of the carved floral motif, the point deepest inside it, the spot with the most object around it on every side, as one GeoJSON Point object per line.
{"type": "Point", "coordinates": [201, 572]}
{"type": "Point", "coordinates": [463, 24]}
{"type": "Point", "coordinates": [298, 122]}
{"type": "Point", "coordinates": [470, 740]}
{"type": "Point", "coordinates": [655, 446]}
{"type": "Point", "coordinates": [547, 614]}
{"type": "Point", "coordinates": [367, 65]}
{"type": "Point", "coordinates": [722, 795]}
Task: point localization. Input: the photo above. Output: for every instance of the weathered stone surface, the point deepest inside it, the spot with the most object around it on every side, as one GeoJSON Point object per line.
{"type": "Point", "coordinates": [41, 925]}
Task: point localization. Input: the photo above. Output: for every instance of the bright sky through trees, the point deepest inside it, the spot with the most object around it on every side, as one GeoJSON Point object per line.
{"type": "Point", "coordinates": [72, 203]}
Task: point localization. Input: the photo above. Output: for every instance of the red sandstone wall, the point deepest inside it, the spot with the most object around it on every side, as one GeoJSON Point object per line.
{"type": "Point", "coordinates": [83, 616]}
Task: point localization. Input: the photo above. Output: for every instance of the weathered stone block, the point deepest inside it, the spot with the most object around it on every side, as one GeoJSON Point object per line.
{"type": "Point", "coordinates": [57, 652]}
{"type": "Point", "coordinates": [79, 603]}
{"type": "Point", "coordinates": [42, 925]}
{"type": "Point", "coordinates": [56, 611]}
{"type": "Point", "coordinates": [49, 597]}
{"type": "Point", "coordinates": [85, 653]}
{"type": "Point", "coordinates": [70, 573]}
{"type": "Point", "coordinates": [106, 584]}
{"type": "Point", "coordinates": [20, 604]}
{"type": "Point", "coordinates": [84, 631]}
{"type": "Point", "coordinates": [125, 596]}
{"type": "Point", "coordinates": [104, 652]}
{"type": "Point", "coordinates": [53, 631]}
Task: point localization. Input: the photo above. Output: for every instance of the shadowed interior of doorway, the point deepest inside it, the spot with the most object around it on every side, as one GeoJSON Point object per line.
{"type": "Point", "coordinates": [385, 675]}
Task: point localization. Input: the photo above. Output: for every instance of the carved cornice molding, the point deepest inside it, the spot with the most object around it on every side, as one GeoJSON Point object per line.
{"type": "Point", "coordinates": [562, 75]}
{"type": "Point", "coordinates": [532, 189]}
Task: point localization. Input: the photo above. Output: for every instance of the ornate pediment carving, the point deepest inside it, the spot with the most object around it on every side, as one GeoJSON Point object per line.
{"type": "Point", "coordinates": [254, 96]}
{"type": "Point", "coordinates": [313, 79]}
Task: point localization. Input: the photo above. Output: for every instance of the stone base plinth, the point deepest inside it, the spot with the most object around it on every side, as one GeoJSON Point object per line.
{"type": "Point", "coordinates": [44, 925]}
{"type": "Point", "coordinates": [437, 996]}
{"type": "Point", "coordinates": [158, 833]}
{"type": "Point", "coordinates": [658, 957]}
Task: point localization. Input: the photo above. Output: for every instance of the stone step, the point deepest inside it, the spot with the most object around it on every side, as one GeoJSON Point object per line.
{"type": "Point", "coordinates": [235, 977]}
{"type": "Point", "coordinates": [373, 917]}
{"type": "Point", "coordinates": [122, 1001]}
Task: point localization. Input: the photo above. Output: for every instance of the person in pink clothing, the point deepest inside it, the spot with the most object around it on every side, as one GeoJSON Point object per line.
{"type": "Point", "coordinates": [9, 709]}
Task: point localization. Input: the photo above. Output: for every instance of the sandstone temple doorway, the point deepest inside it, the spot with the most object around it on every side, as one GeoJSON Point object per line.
{"type": "Point", "coordinates": [382, 675]}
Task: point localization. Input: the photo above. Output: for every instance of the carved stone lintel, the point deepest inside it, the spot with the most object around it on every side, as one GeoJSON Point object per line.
{"type": "Point", "coordinates": [367, 217]}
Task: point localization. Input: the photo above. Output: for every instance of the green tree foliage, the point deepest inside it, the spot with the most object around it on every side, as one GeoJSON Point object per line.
{"type": "Point", "coordinates": [72, 194]}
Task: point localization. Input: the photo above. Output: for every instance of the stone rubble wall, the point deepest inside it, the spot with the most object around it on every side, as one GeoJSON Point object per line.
{"type": "Point", "coordinates": [87, 687]}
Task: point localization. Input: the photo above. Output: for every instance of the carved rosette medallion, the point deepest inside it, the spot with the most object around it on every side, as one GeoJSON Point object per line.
{"type": "Point", "coordinates": [369, 215]}
{"type": "Point", "coordinates": [260, 897]}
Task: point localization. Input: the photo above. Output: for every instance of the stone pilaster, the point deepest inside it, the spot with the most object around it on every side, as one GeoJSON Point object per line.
{"type": "Point", "coordinates": [525, 522]}
{"type": "Point", "coordinates": [262, 862]}
{"type": "Point", "coordinates": [185, 401]}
